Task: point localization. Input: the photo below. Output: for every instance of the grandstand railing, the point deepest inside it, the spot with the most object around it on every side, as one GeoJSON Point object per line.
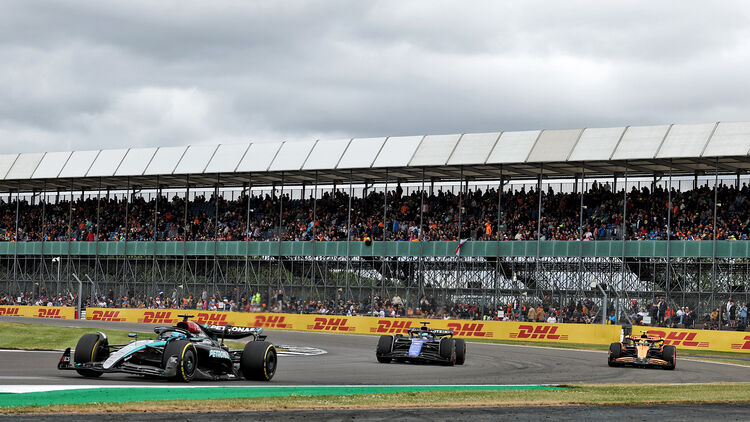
{"type": "Point", "coordinates": [603, 249]}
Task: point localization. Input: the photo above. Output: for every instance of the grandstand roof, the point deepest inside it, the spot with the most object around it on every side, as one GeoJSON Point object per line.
{"type": "Point", "coordinates": [688, 148]}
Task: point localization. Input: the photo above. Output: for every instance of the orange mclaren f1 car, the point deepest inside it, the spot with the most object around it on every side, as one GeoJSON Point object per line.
{"type": "Point", "coordinates": [644, 350]}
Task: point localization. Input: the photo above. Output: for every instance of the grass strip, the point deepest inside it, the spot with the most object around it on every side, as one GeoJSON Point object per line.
{"type": "Point", "coordinates": [139, 394]}
{"type": "Point", "coordinates": [636, 394]}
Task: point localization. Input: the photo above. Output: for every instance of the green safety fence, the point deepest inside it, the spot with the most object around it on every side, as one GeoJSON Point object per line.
{"type": "Point", "coordinates": [602, 249]}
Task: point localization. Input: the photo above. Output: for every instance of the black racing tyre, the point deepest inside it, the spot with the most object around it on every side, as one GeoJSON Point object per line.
{"type": "Point", "coordinates": [448, 350]}
{"type": "Point", "coordinates": [258, 361]}
{"type": "Point", "coordinates": [90, 348]}
{"type": "Point", "coordinates": [615, 351]}
{"type": "Point", "coordinates": [385, 347]}
{"type": "Point", "coordinates": [669, 354]}
{"type": "Point", "coordinates": [187, 359]}
{"type": "Point", "coordinates": [460, 351]}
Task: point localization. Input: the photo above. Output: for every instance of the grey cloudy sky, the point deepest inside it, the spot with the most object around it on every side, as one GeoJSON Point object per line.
{"type": "Point", "coordinates": [105, 74]}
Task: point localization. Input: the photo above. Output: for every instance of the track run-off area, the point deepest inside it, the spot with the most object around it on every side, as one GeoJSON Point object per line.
{"type": "Point", "coordinates": [350, 361]}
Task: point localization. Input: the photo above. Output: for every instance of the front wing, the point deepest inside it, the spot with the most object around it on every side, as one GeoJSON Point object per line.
{"type": "Point", "coordinates": [653, 358]}
{"type": "Point", "coordinates": [66, 363]}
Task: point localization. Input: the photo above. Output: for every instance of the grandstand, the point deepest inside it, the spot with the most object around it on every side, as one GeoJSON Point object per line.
{"type": "Point", "coordinates": [666, 205]}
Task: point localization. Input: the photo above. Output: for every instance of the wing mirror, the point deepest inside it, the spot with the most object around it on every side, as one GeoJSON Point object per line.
{"type": "Point", "coordinates": [133, 335]}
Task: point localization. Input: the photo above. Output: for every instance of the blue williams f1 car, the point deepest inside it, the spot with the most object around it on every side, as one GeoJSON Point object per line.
{"type": "Point", "coordinates": [182, 352]}
{"type": "Point", "coordinates": [422, 345]}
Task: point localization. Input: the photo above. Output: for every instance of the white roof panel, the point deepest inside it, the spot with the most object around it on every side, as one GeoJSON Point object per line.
{"type": "Point", "coordinates": [107, 162]}
{"type": "Point", "coordinates": [259, 156]}
{"type": "Point", "coordinates": [435, 150]}
{"type": "Point", "coordinates": [25, 165]}
{"type": "Point", "coordinates": [554, 145]}
{"type": "Point", "coordinates": [195, 159]}
{"type": "Point", "coordinates": [729, 138]}
{"type": "Point", "coordinates": [397, 151]}
{"type": "Point", "coordinates": [226, 158]}
{"type": "Point", "coordinates": [326, 154]}
{"type": "Point", "coordinates": [135, 162]}
{"type": "Point", "coordinates": [473, 148]}
{"type": "Point", "coordinates": [685, 140]}
{"type": "Point", "coordinates": [165, 160]}
{"type": "Point", "coordinates": [640, 142]}
{"type": "Point", "coordinates": [51, 164]}
{"type": "Point", "coordinates": [79, 163]}
{"type": "Point", "coordinates": [361, 153]}
{"type": "Point", "coordinates": [6, 161]}
{"type": "Point", "coordinates": [292, 155]}
{"type": "Point", "coordinates": [597, 144]}
{"type": "Point", "coordinates": [513, 147]}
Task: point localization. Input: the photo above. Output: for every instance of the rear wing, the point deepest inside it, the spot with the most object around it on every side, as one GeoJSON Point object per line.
{"type": "Point", "coordinates": [233, 332]}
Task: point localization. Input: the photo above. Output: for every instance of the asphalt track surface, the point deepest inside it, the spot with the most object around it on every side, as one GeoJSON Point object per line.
{"type": "Point", "coordinates": [351, 361]}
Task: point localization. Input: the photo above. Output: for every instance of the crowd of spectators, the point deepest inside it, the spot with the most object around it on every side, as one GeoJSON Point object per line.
{"type": "Point", "coordinates": [444, 216]}
{"type": "Point", "coordinates": [657, 312]}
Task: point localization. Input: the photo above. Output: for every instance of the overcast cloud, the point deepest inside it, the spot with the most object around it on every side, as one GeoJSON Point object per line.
{"type": "Point", "coordinates": [104, 74]}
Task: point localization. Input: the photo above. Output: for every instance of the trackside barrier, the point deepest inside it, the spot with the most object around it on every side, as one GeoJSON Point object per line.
{"type": "Point", "coordinates": [57, 312]}
{"type": "Point", "coordinates": [722, 341]}
{"type": "Point", "coordinates": [498, 330]}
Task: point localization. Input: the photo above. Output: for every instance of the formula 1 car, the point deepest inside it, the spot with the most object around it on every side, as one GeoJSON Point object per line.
{"type": "Point", "coordinates": [643, 351]}
{"type": "Point", "coordinates": [422, 345]}
{"type": "Point", "coordinates": [182, 352]}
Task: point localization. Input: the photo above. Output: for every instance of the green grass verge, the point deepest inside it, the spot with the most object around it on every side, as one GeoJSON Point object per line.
{"type": "Point", "coordinates": [637, 394]}
{"type": "Point", "coordinates": [20, 336]}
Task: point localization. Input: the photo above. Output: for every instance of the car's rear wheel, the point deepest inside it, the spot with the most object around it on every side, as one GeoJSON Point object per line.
{"type": "Point", "coordinates": [385, 347]}
{"type": "Point", "coordinates": [258, 361]}
{"type": "Point", "coordinates": [460, 351]}
{"type": "Point", "coordinates": [90, 348]}
{"type": "Point", "coordinates": [669, 354]}
{"type": "Point", "coordinates": [615, 351]}
{"type": "Point", "coordinates": [187, 359]}
{"type": "Point", "coordinates": [448, 350]}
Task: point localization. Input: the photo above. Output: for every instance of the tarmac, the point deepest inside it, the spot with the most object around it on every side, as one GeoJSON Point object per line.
{"type": "Point", "coordinates": [350, 360]}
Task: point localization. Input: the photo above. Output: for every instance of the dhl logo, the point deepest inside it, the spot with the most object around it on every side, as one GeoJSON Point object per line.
{"type": "Point", "coordinates": [675, 338]}
{"type": "Point", "coordinates": [468, 330]}
{"type": "Point", "coordinates": [330, 324]}
{"type": "Point", "coordinates": [212, 319]}
{"type": "Point", "coordinates": [271, 322]}
{"type": "Point", "coordinates": [49, 313]}
{"type": "Point", "coordinates": [9, 311]}
{"type": "Point", "coordinates": [742, 346]}
{"type": "Point", "coordinates": [539, 332]}
{"type": "Point", "coordinates": [157, 317]}
{"type": "Point", "coordinates": [113, 316]}
{"type": "Point", "coordinates": [391, 327]}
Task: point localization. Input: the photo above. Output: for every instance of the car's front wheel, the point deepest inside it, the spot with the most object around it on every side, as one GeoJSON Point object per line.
{"type": "Point", "coordinates": [448, 350]}
{"type": "Point", "coordinates": [669, 354]}
{"type": "Point", "coordinates": [90, 348]}
{"type": "Point", "coordinates": [385, 347]}
{"type": "Point", "coordinates": [187, 359]}
{"type": "Point", "coordinates": [460, 351]}
{"type": "Point", "coordinates": [258, 361]}
{"type": "Point", "coordinates": [615, 351]}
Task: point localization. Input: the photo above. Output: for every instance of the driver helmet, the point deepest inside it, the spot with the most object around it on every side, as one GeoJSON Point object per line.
{"type": "Point", "coordinates": [424, 334]}
{"type": "Point", "coordinates": [193, 327]}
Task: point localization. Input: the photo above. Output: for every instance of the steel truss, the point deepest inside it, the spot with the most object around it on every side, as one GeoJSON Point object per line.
{"type": "Point", "coordinates": [488, 282]}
